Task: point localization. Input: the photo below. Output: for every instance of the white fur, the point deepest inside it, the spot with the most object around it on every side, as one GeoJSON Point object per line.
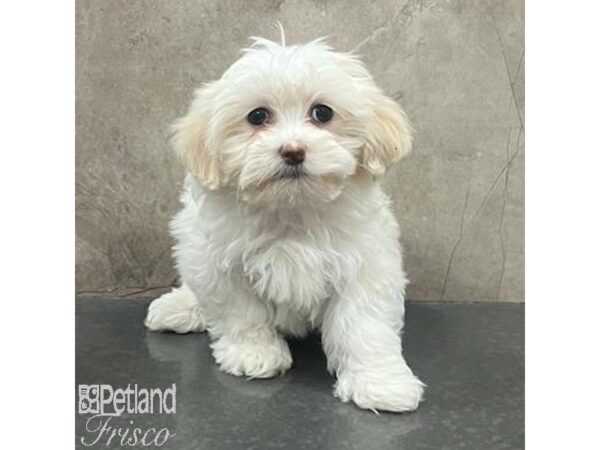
{"type": "Point", "coordinates": [177, 311]}
{"type": "Point", "coordinates": [262, 255]}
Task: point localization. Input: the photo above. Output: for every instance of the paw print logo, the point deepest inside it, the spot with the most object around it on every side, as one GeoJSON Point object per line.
{"type": "Point", "coordinates": [89, 399]}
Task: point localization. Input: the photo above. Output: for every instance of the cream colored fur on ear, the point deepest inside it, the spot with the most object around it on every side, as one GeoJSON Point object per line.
{"type": "Point", "coordinates": [389, 136]}
{"type": "Point", "coordinates": [190, 141]}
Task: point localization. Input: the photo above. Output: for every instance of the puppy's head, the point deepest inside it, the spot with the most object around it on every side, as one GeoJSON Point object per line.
{"type": "Point", "coordinates": [290, 124]}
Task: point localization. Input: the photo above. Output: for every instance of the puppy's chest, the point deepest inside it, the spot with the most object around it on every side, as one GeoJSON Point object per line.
{"type": "Point", "coordinates": [294, 271]}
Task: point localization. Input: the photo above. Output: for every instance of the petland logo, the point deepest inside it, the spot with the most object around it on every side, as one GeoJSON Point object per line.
{"type": "Point", "coordinates": [104, 403]}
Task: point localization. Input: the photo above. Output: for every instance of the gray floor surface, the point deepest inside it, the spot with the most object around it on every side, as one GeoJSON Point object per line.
{"type": "Point", "coordinates": [471, 356]}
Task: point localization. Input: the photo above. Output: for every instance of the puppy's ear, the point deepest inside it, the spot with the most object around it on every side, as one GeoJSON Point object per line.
{"type": "Point", "coordinates": [389, 136]}
{"type": "Point", "coordinates": [191, 140]}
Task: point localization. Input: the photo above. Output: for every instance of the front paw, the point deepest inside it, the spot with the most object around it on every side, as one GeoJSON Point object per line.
{"type": "Point", "coordinates": [262, 357]}
{"type": "Point", "coordinates": [396, 392]}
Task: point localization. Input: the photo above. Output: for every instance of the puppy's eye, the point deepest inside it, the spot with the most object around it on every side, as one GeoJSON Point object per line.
{"type": "Point", "coordinates": [258, 116]}
{"type": "Point", "coordinates": [321, 113]}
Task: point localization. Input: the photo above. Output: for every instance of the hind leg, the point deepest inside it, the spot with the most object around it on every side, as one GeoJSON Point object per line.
{"type": "Point", "coordinates": [177, 311]}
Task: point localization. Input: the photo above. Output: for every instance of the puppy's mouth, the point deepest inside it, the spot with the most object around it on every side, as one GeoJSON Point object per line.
{"type": "Point", "coordinates": [291, 173]}
{"type": "Point", "coordinates": [292, 186]}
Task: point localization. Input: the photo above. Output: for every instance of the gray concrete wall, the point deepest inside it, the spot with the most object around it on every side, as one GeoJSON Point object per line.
{"type": "Point", "coordinates": [456, 66]}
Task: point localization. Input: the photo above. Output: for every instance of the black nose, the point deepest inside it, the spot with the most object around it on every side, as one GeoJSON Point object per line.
{"type": "Point", "coordinates": [292, 154]}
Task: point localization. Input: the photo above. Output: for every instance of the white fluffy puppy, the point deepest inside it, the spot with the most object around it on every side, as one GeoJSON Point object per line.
{"type": "Point", "coordinates": [284, 226]}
